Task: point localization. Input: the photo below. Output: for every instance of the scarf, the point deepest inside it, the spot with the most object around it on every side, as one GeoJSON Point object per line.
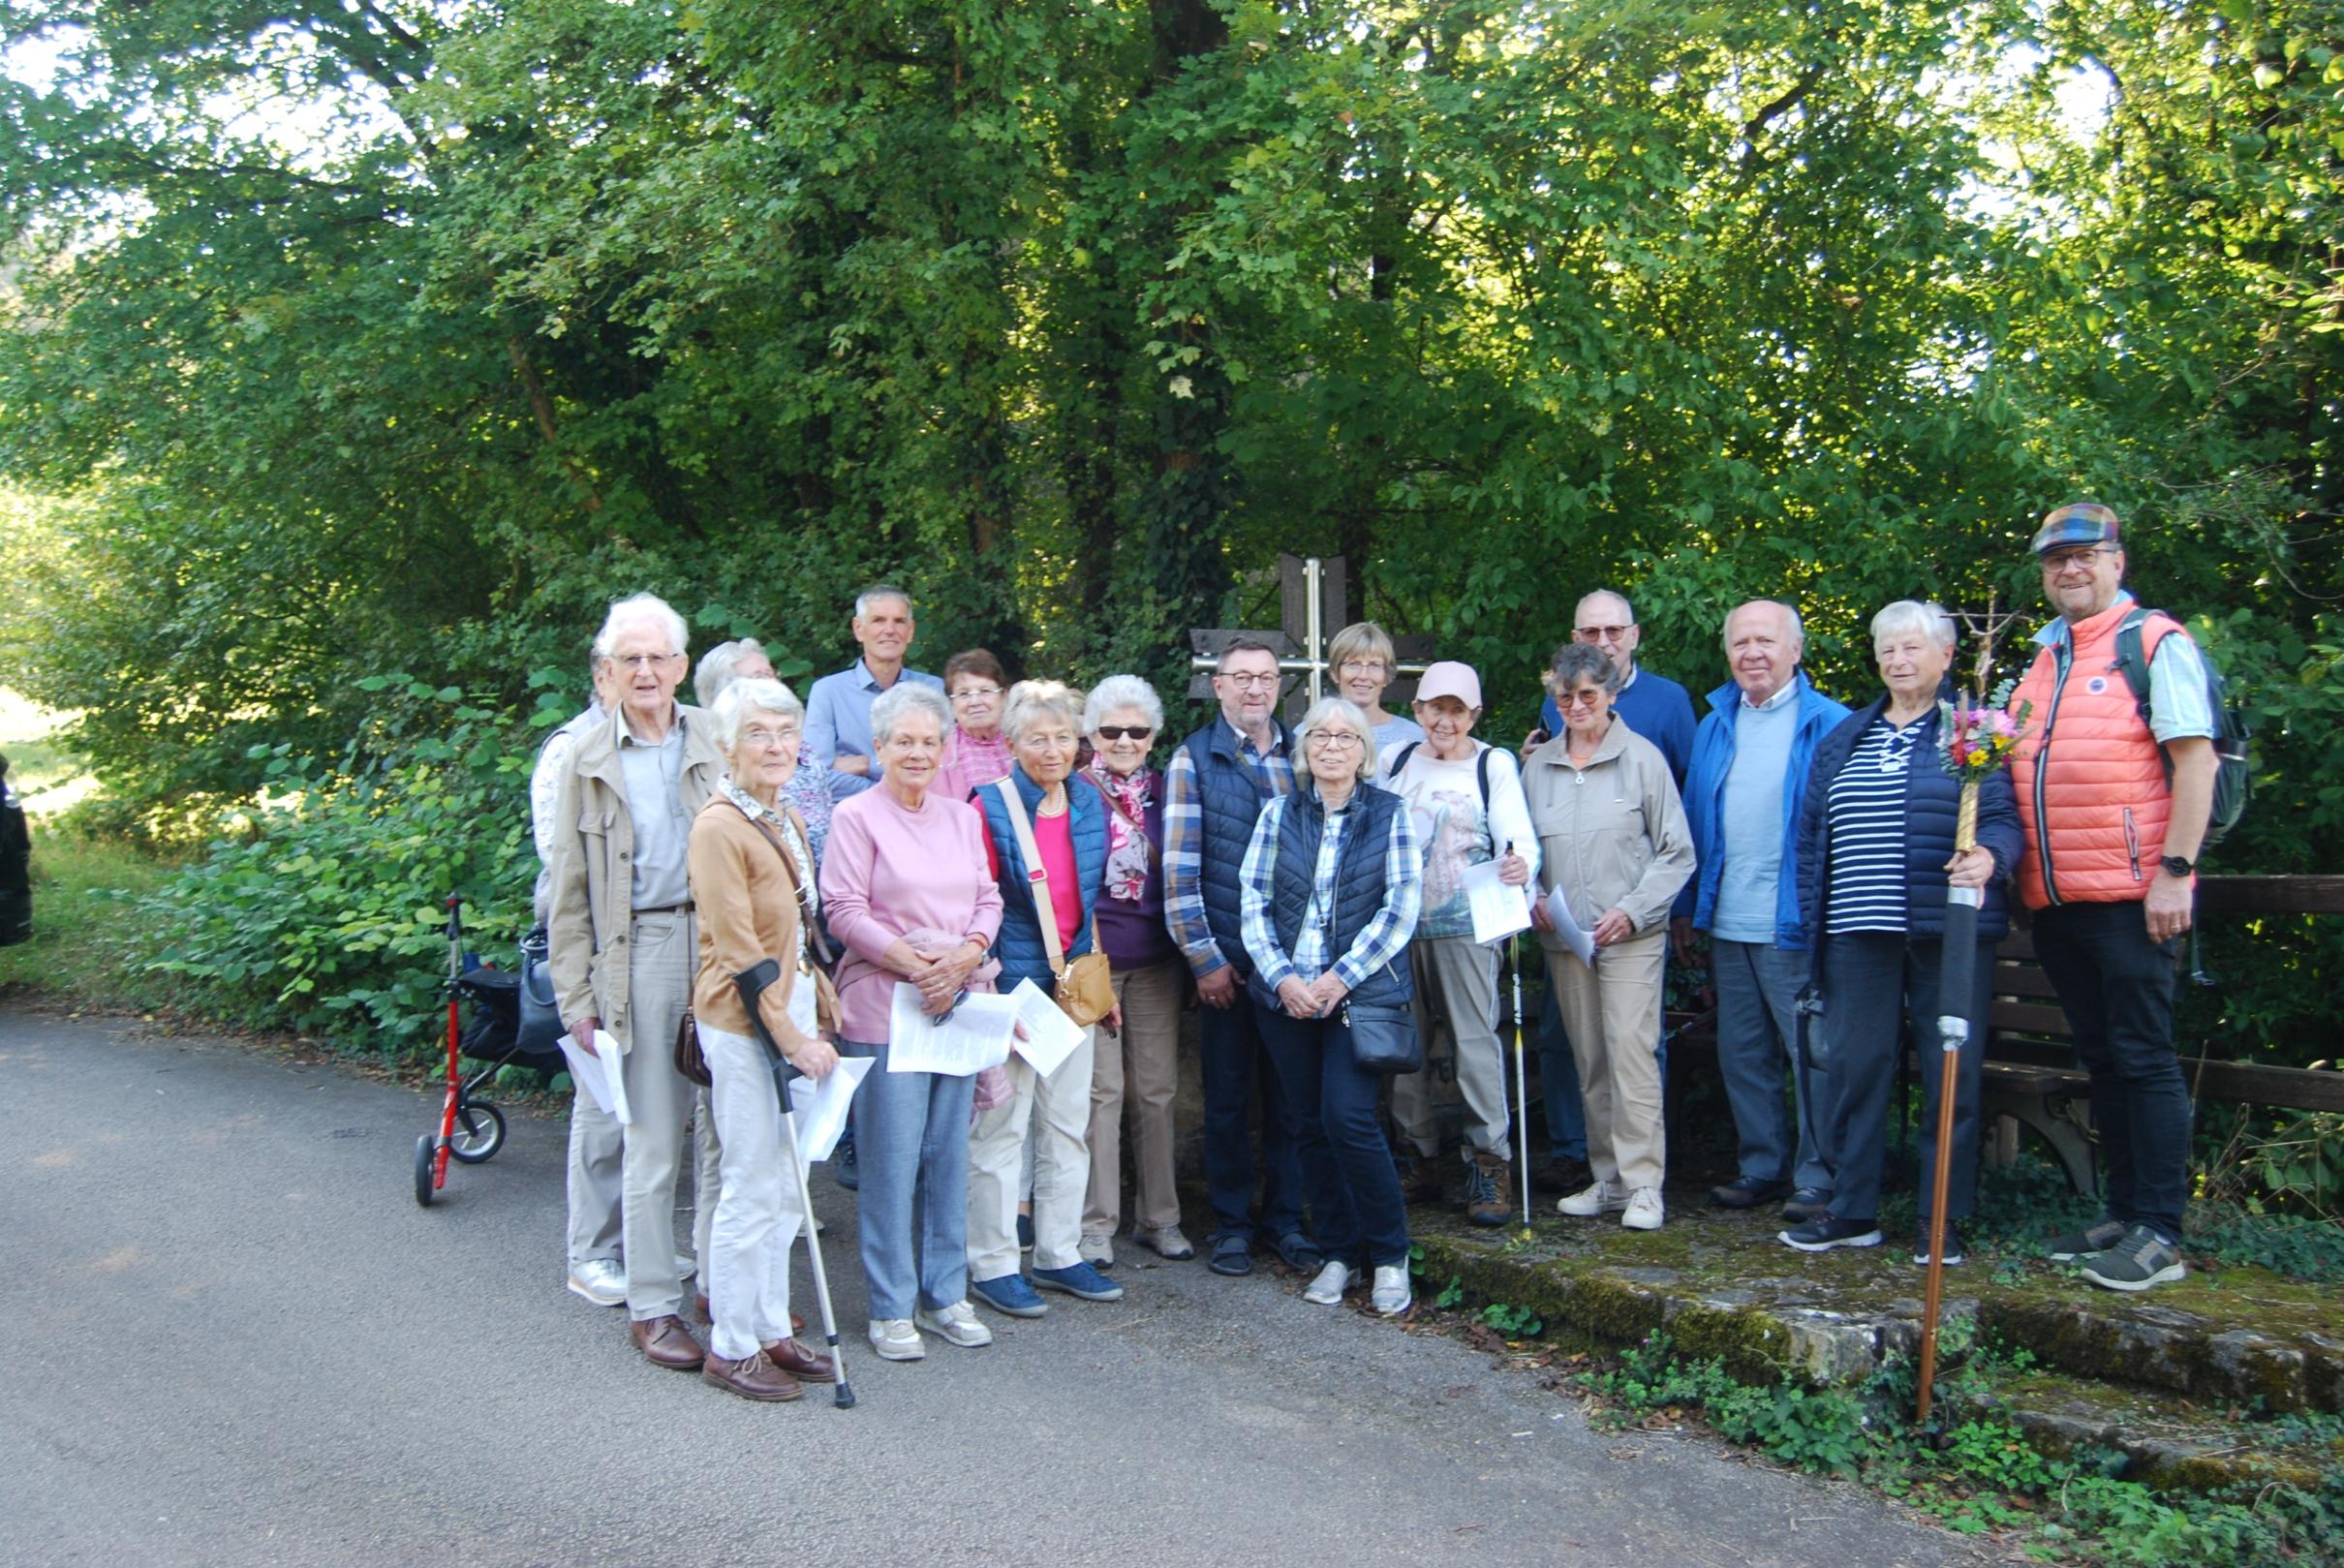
{"type": "Point", "coordinates": [1128, 851]}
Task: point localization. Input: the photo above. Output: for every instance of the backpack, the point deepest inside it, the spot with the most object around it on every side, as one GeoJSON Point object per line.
{"type": "Point", "coordinates": [1481, 770]}
{"type": "Point", "coordinates": [2233, 737]}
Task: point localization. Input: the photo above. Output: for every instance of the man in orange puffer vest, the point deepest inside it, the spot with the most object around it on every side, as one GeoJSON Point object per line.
{"type": "Point", "coordinates": [2114, 810]}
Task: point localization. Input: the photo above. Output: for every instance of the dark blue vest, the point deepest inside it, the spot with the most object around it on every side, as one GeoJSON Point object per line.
{"type": "Point", "coordinates": [1020, 947]}
{"type": "Point", "coordinates": [1359, 885]}
{"type": "Point", "coordinates": [1231, 803]}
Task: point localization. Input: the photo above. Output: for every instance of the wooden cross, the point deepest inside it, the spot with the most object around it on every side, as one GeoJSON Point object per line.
{"type": "Point", "coordinates": [1313, 601]}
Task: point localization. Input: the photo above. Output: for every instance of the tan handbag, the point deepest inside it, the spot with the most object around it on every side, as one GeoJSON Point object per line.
{"type": "Point", "coordinates": [1086, 985]}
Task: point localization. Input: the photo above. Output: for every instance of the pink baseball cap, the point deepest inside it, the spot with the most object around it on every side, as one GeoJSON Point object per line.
{"type": "Point", "coordinates": [1449, 678]}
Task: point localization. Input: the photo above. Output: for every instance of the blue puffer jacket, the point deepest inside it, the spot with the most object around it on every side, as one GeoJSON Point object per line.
{"type": "Point", "coordinates": [1932, 806]}
{"type": "Point", "coordinates": [1359, 888]}
{"type": "Point", "coordinates": [1020, 943]}
{"type": "Point", "coordinates": [1705, 803]}
{"type": "Point", "coordinates": [1231, 804]}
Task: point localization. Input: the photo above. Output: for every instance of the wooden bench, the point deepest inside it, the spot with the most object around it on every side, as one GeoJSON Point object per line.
{"type": "Point", "coordinates": [2030, 1079]}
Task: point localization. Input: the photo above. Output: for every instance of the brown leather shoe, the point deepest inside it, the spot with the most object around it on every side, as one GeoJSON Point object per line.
{"type": "Point", "coordinates": [1489, 1193]}
{"type": "Point", "coordinates": [804, 1365]}
{"type": "Point", "coordinates": [756, 1378]}
{"type": "Point", "coordinates": [665, 1342]}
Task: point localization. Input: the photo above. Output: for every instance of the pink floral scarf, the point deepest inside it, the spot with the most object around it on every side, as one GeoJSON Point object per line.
{"type": "Point", "coordinates": [1128, 855]}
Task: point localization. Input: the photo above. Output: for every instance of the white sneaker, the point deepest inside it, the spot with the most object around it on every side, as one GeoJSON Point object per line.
{"type": "Point", "coordinates": [1327, 1289]}
{"type": "Point", "coordinates": [1644, 1211]}
{"type": "Point", "coordinates": [1602, 1198]}
{"type": "Point", "coordinates": [896, 1340]}
{"type": "Point", "coordinates": [1391, 1296]}
{"type": "Point", "coordinates": [1098, 1249]}
{"type": "Point", "coordinates": [955, 1325]}
{"type": "Point", "coordinates": [601, 1280]}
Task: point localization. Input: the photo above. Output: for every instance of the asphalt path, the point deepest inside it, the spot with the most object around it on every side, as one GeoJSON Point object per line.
{"type": "Point", "coordinates": [233, 1337]}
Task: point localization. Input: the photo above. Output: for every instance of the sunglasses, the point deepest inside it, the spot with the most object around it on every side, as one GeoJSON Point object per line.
{"type": "Point", "coordinates": [1121, 732]}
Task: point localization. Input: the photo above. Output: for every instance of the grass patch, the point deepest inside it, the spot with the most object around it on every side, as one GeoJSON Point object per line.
{"type": "Point", "coordinates": [84, 937]}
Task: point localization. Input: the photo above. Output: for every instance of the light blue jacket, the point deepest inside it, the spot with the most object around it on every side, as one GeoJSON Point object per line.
{"type": "Point", "coordinates": [1705, 804]}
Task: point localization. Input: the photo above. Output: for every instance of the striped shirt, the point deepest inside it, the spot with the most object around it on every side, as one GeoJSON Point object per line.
{"type": "Point", "coordinates": [1184, 843]}
{"type": "Point", "coordinates": [1379, 941]}
{"type": "Point", "coordinates": [1866, 812]}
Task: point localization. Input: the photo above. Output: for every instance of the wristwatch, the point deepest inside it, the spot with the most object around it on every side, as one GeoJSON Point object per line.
{"type": "Point", "coordinates": [2179, 866]}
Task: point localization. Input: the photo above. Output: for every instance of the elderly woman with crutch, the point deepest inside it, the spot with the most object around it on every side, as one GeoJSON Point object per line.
{"type": "Point", "coordinates": [909, 897]}
{"type": "Point", "coordinates": [752, 884]}
{"type": "Point", "coordinates": [1329, 893]}
{"type": "Point", "coordinates": [1876, 858]}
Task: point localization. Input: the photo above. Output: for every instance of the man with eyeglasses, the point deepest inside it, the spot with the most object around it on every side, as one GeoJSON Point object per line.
{"type": "Point", "coordinates": [1214, 789]}
{"type": "Point", "coordinates": [620, 930]}
{"type": "Point", "coordinates": [2114, 795]}
{"type": "Point", "coordinates": [838, 706]}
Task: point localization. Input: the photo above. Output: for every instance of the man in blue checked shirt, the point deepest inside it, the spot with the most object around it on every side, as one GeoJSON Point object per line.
{"type": "Point", "coordinates": [1214, 789]}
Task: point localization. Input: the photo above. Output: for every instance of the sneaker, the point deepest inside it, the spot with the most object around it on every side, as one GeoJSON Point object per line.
{"type": "Point", "coordinates": [1826, 1230]}
{"type": "Point", "coordinates": [1098, 1249]}
{"type": "Point", "coordinates": [1954, 1250]}
{"type": "Point", "coordinates": [841, 1163]}
{"type": "Point", "coordinates": [1167, 1243]}
{"type": "Point", "coordinates": [2139, 1259]}
{"type": "Point", "coordinates": [1080, 1281]}
{"type": "Point", "coordinates": [1602, 1198]}
{"type": "Point", "coordinates": [1644, 1211]}
{"type": "Point", "coordinates": [1327, 1289]}
{"type": "Point", "coordinates": [1805, 1204]}
{"type": "Point", "coordinates": [1008, 1293]}
{"type": "Point", "coordinates": [601, 1280]}
{"type": "Point", "coordinates": [896, 1340]}
{"type": "Point", "coordinates": [1489, 1190]}
{"type": "Point", "coordinates": [2098, 1236]}
{"type": "Point", "coordinates": [955, 1325]}
{"type": "Point", "coordinates": [1748, 1192]}
{"type": "Point", "coordinates": [1391, 1295]}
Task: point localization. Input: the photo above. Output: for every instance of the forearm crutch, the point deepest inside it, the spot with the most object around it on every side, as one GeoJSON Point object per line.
{"type": "Point", "coordinates": [752, 983]}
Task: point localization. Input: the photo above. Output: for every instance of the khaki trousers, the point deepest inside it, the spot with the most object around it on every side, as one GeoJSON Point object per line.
{"type": "Point", "coordinates": [1456, 980]}
{"type": "Point", "coordinates": [1054, 1111]}
{"type": "Point", "coordinates": [658, 980]}
{"type": "Point", "coordinates": [1139, 1065]}
{"type": "Point", "coordinates": [1612, 1013]}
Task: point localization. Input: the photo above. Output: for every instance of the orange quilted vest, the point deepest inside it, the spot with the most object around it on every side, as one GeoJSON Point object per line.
{"type": "Point", "coordinates": [2092, 795]}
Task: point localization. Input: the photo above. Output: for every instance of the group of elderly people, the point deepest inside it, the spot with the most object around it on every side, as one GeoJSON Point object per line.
{"type": "Point", "coordinates": [1312, 886]}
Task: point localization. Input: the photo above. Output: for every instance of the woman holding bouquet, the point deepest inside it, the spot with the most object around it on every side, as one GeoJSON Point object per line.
{"type": "Point", "coordinates": [1876, 855]}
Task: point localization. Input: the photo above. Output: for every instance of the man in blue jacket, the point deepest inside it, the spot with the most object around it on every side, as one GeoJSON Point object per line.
{"type": "Point", "coordinates": [1742, 798]}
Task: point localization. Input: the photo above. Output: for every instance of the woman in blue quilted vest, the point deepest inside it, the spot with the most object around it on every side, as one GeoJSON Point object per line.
{"type": "Point", "coordinates": [1330, 889]}
{"type": "Point", "coordinates": [1068, 831]}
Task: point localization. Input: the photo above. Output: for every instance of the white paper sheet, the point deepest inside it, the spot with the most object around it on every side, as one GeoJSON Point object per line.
{"type": "Point", "coordinates": [1051, 1037]}
{"type": "Point", "coordinates": [817, 1112]}
{"type": "Point", "coordinates": [1578, 940]}
{"type": "Point", "coordinates": [974, 1037]}
{"type": "Point", "coordinates": [1499, 911]}
{"type": "Point", "coordinates": [601, 1075]}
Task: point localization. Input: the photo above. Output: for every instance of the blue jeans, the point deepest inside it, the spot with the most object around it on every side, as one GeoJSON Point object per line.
{"type": "Point", "coordinates": [1758, 988]}
{"type": "Point", "coordinates": [911, 1142]}
{"type": "Point", "coordinates": [1357, 1215]}
{"type": "Point", "coordinates": [1236, 1072]}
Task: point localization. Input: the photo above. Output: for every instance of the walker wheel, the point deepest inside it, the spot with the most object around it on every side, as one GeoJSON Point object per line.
{"type": "Point", "coordinates": [424, 1152]}
{"type": "Point", "coordinates": [479, 1132]}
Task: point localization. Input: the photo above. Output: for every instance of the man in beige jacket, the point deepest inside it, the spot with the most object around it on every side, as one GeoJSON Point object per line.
{"type": "Point", "coordinates": [621, 932]}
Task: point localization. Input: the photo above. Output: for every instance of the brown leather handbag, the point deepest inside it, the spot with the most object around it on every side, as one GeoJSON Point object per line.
{"type": "Point", "coordinates": [1086, 985]}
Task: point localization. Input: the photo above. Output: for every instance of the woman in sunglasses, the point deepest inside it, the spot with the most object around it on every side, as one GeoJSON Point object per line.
{"type": "Point", "coordinates": [1139, 1064]}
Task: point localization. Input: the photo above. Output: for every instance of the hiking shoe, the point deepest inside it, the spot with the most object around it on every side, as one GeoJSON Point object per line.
{"type": "Point", "coordinates": [1419, 1178]}
{"type": "Point", "coordinates": [1008, 1293]}
{"type": "Point", "coordinates": [1602, 1198]}
{"type": "Point", "coordinates": [1569, 1172]}
{"type": "Point", "coordinates": [1327, 1289]}
{"type": "Point", "coordinates": [1828, 1230]}
{"type": "Point", "coordinates": [1489, 1190]}
{"type": "Point", "coordinates": [1081, 1280]}
{"type": "Point", "coordinates": [1805, 1204]}
{"type": "Point", "coordinates": [2139, 1259]}
{"type": "Point", "coordinates": [955, 1325]}
{"type": "Point", "coordinates": [1954, 1250]}
{"type": "Point", "coordinates": [1644, 1211]}
{"type": "Point", "coordinates": [896, 1340]}
{"type": "Point", "coordinates": [1098, 1249]}
{"type": "Point", "coordinates": [1748, 1192]}
{"type": "Point", "coordinates": [1391, 1295]}
{"type": "Point", "coordinates": [2095, 1236]}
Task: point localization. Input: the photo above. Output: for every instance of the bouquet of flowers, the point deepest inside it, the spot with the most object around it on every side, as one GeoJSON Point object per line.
{"type": "Point", "coordinates": [1973, 741]}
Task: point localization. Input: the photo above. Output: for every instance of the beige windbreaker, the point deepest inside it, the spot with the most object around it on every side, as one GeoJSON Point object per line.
{"type": "Point", "coordinates": [1613, 835]}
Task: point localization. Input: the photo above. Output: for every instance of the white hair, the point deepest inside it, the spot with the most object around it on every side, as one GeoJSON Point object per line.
{"type": "Point", "coordinates": [1916, 615]}
{"type": "Point", "coordinates": [1725, 632]}
{"type": "Point", "coordinates": [1033, 702]}
{"type": "Point", "coordinates": [1121, 691]}
{"type": "Point", "coordinates": [719, 668]}
{"type": "Point", "coordinates": [625, 612]}
{"type": "Point", "coordinates": [900, 700]}
{"type": "Point", "coordinates": [1349, 712]}
{"type": "Point", "coordinates": [757, 693]}
{"type": "Point", "coordinates": [877, 592]}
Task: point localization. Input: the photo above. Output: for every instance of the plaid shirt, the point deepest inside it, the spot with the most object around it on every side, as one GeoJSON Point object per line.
{"type": "Point", "coordinates": [1184, 845]}
{"type": "Point", "coordinates": [1380, 941]}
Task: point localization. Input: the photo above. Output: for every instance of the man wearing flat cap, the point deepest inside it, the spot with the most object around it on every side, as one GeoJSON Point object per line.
{"type": "Point", "coordinates": [2115, 793]}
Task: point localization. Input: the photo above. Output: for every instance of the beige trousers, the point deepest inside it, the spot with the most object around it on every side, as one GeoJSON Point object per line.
{"type": "Point", "coordinates": [1612, 1013]}
{"type": "Point", "coordinates": [1138, 1065]}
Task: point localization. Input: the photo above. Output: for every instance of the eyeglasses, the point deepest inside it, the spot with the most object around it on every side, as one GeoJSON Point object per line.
{"type": "Point", "coordinates": [1126, 732]}
{"type": "Point", "coordinates": [641, 661]}
{"type": "Point", "coordinates": [967, 692]}
{"type": "Point", "coordinates": [760, 735]}
{"type": "Point", "coordinates": [1587, 697]}
{"type": "Point", "coordinates": [2061, 560]}
{"type": "Point", "coordinates": [1363, 667]}
{"type": "Point", "coordinates": [1334, 739]}
{"type": "Point", "coordinates": [1251, 683]}
{"type": "Point", "coordinates": [1603, 633]}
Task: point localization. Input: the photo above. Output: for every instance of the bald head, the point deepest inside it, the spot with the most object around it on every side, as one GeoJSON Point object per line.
{"type": "Point", "coordinates": [1605, 620]}
{"type": "Point", "coordinates": [1763, 641]}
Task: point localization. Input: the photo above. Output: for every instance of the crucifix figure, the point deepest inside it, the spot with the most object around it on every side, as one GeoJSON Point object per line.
{"type": "Point", "coordinates": [1313, 595]}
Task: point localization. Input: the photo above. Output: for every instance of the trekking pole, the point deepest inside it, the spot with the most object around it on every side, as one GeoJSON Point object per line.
{"type": "Point", "coordinates": [1522, 1087]}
